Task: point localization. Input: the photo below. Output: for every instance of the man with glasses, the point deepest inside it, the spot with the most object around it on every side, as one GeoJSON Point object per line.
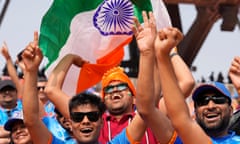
{"type": "Point", "coordinates": [85, 109]}
{"type": "Point", "coordinates": [47, 104]}
{"type": "Point", "coordinates": [212, 102]}
{"type": "Point", "coordinates": [118, 93]}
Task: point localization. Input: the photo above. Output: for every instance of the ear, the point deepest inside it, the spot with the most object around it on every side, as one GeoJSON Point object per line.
{"type": "Point", "coordinates": [129, 93]}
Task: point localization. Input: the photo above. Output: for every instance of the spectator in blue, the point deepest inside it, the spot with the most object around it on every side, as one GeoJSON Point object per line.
{"type": "Point", "coordinates": [47, 104]}
{"type": "Point", "coordinates": [212, 101]}
{"type": "Point", "coordinates": [60, 127]}
{"type": "Point", "coordinates": [9, 103]}
{"type": "Point", "coordinates": [85, 110]}
{"type": "Point", "coordinates": [19, 134]}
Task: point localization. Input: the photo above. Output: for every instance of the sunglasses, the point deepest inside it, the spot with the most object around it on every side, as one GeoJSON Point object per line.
{"type": "Point", "coordinates": [78, 116]}
{"type": "Point", "coordinates": [216, 99]}
{"type": "Point", "coordinates": [119, 87]}
{"type": "Point", "coordinates": [41, 87]}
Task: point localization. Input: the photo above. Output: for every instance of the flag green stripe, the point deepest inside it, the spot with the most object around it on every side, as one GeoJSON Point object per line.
{"type": "Point", "coordinates": [56, 22]}
{"type": "Point", "coordinates": [139, 6]}
{"type": "Point", "coordinates": [55, 26]}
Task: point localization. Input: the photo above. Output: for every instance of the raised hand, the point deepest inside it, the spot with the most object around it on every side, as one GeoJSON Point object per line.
{"type": "Point", "coordinates": [234, 72]}
{"type": "Point", "coordinates": [5, 52]}
{"type": "Point", "coordinates": [167, 39]}
{"type": "Point", "coordinates": [146, 34]}
{"type": "Point", "coordinates": [32, 55]}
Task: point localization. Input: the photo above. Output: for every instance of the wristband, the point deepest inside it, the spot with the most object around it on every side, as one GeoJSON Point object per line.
{"type": "Point", "coordinates": [173, 54]}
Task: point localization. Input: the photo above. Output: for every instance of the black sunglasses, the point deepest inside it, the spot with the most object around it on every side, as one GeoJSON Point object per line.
{"type": "Point", "coordinates": [120, 87]}
{"type": "Point", "coordinates": [41, 87]}
{"type": "Point", "coordinates": [204, 100]}
{"type": "Point", "coordinates": [78, 116]}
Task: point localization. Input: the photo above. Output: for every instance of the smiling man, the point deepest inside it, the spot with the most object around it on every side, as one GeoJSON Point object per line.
{"type": "Point", "coordinates": [9, 103]}
{"type": "Point", "coordinates": [85, 110]}
{"type": "Point", "coordinates": [118, 93]}
{"type": "Point", "coordinates": [213, 109]}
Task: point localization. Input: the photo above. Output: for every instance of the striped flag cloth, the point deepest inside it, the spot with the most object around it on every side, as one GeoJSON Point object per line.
{"type": "Point", "coordinates": [97, 30]}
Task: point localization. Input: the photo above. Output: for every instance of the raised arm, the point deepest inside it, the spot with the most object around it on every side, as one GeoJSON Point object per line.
{"type": "Point", "coordinates": [11, 69]}
{"type": "Point", "coordinates": [183, 74]}
{"type": "Point", "coordinates": [56, 79]}
{"type": "Point", "coordinates": [234, 73]}
{"type": "Point", "coordinates": [146, 95]}
{"type": "Point", "coordinates": [32, 57]}
{"type": "Point", "coordinates": [188, 130]}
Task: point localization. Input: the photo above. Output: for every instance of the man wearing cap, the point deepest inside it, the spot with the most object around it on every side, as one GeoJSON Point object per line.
{"type": "Point", "coordinates": [18, 131]}
{"type": "Point", "coordinates": [118, 94]}
{"type": "Point", "coordinates": [212, 101]}
{"type": "Point", "coordinates": [9, 104]}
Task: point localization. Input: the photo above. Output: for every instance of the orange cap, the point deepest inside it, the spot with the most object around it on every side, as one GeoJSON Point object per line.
{"type": "Point", "coordinates": [117, 74]}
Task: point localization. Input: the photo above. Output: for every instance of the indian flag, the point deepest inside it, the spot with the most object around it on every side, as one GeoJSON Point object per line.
{"type": "Point", "coordinates": [97, 30]}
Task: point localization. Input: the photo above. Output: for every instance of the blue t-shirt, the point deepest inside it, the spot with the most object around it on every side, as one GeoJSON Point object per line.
{"type": "Point", "coordinates": [57, 130]}
{"type": "Point", "coordinates": [6, 114]}
{"type": "Point", "coordinates": [55, 140]}
{"type": "Point", "coordinates": [178, 140]}
{"type": "Point", "coordinates": [49, 109]}
{"type": "Point", "coordinates": [231, 138]}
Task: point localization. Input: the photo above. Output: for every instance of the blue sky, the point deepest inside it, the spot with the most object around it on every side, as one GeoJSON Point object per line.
{"type": "Point", "coordinates": [24, 17]}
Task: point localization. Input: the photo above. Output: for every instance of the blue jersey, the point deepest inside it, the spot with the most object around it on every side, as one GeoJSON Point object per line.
{"type": "Point", "coordinates": [57, 130]}
{"type": "Point", "coordinates": [6, 114]}
{"type": "Point", "coordinates": [49, 109]}
{"type": "Point", "coordinates": [231, 138]}
{"type": "Point", "coordinates": [55, 140]}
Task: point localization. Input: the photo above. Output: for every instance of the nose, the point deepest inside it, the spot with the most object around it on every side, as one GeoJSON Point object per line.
{"type": "Point", "coordinates": [115, 88]}
{"type": "Point", "coordinates": [85, 119]}
{"type": "Point", "coordinates": [211, 104]}
{"type": "Point", "coordinates": [6, 92]}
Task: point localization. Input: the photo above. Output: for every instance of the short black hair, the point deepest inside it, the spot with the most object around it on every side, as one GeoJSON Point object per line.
{"type": "Point", "coordinates": [19, 55]}
{"type": "Point", "coordinates": [87, 98]}
{"type": "Point", "coordinates": [41, 75]}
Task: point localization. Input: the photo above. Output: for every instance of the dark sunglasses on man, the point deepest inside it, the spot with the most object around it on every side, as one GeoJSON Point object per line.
{"type": "Point", "coordinates": [78, 116]}
{"type": "Point", "coordinates": [217, 99]}
{"type": "Point", "coordinates": [119, 87]}
{"type": "Point", "coordinates": [40, 87]}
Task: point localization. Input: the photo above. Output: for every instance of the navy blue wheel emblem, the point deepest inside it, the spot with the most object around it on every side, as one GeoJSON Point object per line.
{"type": "Point", "coordinates": [114, 17]}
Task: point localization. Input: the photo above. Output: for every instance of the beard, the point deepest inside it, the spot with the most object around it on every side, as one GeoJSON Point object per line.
{"type": "Point", "coordinates": [218, 127]}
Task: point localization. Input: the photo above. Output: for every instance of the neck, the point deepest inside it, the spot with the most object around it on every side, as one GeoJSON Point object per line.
{"type": "Point", "coordinates": [9, 106]}
{"type": "Point", "coordinates": [217, 134]}
{"type": "Point", "coordinates": [119, 116]}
